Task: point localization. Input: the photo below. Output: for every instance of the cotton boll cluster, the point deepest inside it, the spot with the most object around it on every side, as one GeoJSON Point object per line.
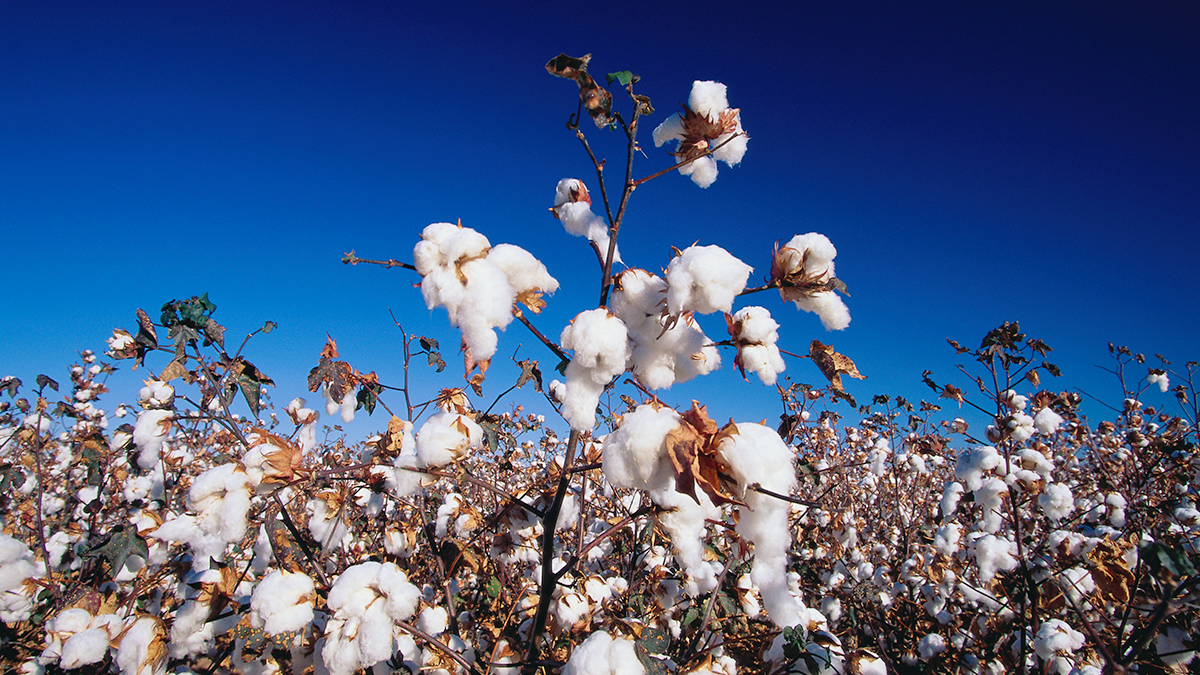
{"type": "Point", "coordinates": [704, 279]}
{"type": "Point", "coordinates": [803, 268]}
{"type": "Point", "coordinates": [757, 455]}
{"type": "Point", "coordinates": [601, 345]}
{"type": "Point", "coordinates": [602, 654]}
{"type": "Point", "coordinates": [707, 123]}
{"type": "Point", "coordinates": [664, 352]}
{"type": "Point", "coordinates": [75, 638]}
{"type": "Point", "coordinates": [478, 292]}
{"type": "Point", "coordinates": [366, 601]}
{"type": "Point", "coordinates": [573, 206]}
{"type": "Point", "coordinates": [994, 554]}
{"type": "Point", "coordinates": [1047, 421]}
{"type": "Point", "coordinates": [755, 333]}
{"type": "Point", "coordinates": [17, 564]}
{"type": "Point", "coordinates": [220, 500]}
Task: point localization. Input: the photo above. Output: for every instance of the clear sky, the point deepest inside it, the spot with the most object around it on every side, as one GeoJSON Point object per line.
{"type": "Point", "coordinates": [972, 162]}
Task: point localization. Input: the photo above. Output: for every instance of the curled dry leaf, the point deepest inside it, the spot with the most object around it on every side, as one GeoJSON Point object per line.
{"type": "Point", "coordinates": [833, 365]}
{"type": "Point", "coordinates": [693, 449]}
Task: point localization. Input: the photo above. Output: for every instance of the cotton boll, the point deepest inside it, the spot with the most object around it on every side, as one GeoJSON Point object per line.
{"type": "Point", "coordinates": [282, 602]}
{"type": "Point", "coordinates": [704, 279]}
{"type": "Point", "coordinates": [1047, 421]}
{"type": "Point", "coordinates": [601, 352]}
{"type": "Point", "coordinates": [755, 333]}
{"type": "Point", "coordinates": [1057, 502]}
{"type": "Point", "coordinates": [573, 207]}
{"type": "Point", "coordinates": [446, 437]}
{"type": "Point", "coordinates": [433, 620]}
{"type": "Point", "coordinates": [635, 454]}
{"type": "Point", "coordinates": [601, 654]}
{"type": "Point", "coordinates": [141, 650]}
{"type": "Point", "coordinates": [684, 520]}
{"type": "Point", "coordinates": [756, 454]}
{"type": "Point", "coordinates": [993, 554]}
{"type": "Point", "coordinates": [366, 600]}
{"type": "Point", "coordinates": [83, 648]}
{"type": "Point", "coordinates": [1173, 647]}
{"type": "Point", "coordinates": [149, 435]}
{"type": "Point", "coordinates": [17, 564]}
{"type": "Point", "coordinates": [930, 646]}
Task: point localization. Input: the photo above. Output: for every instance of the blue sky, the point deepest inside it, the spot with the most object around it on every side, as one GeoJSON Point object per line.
{"type": "Point", "coordinates": [972, 162]}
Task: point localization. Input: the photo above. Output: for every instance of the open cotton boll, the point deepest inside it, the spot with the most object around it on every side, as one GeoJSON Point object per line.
{"type": "Point", "coordinates": [220, 499]}
{"type": "Point", "coordinates": [366, 601]}
{"type": "Point", "coordinates": [993, 554]}
{"type": "Point", "coordinates": [684, 521]}
{"type": "Point", "coordinates": [17, 564]}
{"type": "Point", "coordinates": [446, 437]}
{"type": "Point", "coordinates": [756, 454]}
{"type": "Point", "coordinates": [704, 279]}
{"type": "Point", "coordinates": [433, 620]}
{"type": "Point", "coordinates": [755, 333]}
{"type": "Point", "coordinates": [1047, 421]}
{"type": "Point", "coordinates": [601, 352]}
{"type": "Point", "coordinates": [149, 435]}
{"type": "Point", "coordinates": [141, 650]}
{"type": "Point", "coordinates": [573, 207]}
{"type": "Point", "coordinates": [635, 454]}
{"type": "Point", "coordinates": [1055, 638]}
{"type": "Point", "coordinates": [602, 654]}
{"type": "Point", "coordinates": [707, 123]}
{"type": "Point", "coordinates": [282, 602]}
{"type": "Point", "coordinates": [973, 462]}
{"type": "Point", "coordinates": [83, 648]}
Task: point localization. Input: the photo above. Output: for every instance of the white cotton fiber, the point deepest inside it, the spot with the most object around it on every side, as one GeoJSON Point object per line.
{"type": "Point", "coordinates": [756, 338]}
{"type": "Point", "coordinates": [635, 454]}
{"type": "Point", "coordinates": [756, 454]}
{"type": "Point", "coordinates": [602, 654]}
{"type": "Point", "coordinates": [446, 437]}
{"type": "Point", "coordinates": [573, 207]}
{"type": "Point", "coordinates": [282, 602]}
{"type": "Point", "coordinates": [601, 352]}
{"type": "Point", "coordinates": [149, 434]}
{"type": "Point", "coordinates": [704, 279]}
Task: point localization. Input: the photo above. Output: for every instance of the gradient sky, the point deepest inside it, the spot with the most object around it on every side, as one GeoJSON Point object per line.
{"type": "Point", "coordinates": [973, 163]}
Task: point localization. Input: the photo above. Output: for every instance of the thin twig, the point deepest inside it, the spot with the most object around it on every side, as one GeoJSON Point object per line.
{"type": "Point", "coordinates": [351, 259]}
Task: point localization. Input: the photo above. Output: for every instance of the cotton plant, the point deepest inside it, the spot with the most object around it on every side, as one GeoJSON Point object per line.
{"type": "Point", "coordinates": [706, 131]}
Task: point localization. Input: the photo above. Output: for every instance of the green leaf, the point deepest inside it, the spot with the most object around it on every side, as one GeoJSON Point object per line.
{"type": "Point", "coordinates": [493, 588]}
{"type": "Point", "coordinates": [622, 76]}
{"type": "Point", "coordinates": [652, 665]}
{"type": "Point", "coordinates": [122, 542]}
{"type": "Point", "coordinates": [251, 380]}
{"type": "Point", "coordinates": [428, 344]}
{"type": "Point", "coordinates": [368, 396]}
{"type": "Point", "coordinates": [435, 361]}
{"type": "Point", "coordinates": [11, 478]}
{"type": "Point", "coordinates": [268, 327]}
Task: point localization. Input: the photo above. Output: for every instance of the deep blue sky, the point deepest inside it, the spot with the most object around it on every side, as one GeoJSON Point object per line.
{"type": "Point", "coordinates": [973, 163]}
